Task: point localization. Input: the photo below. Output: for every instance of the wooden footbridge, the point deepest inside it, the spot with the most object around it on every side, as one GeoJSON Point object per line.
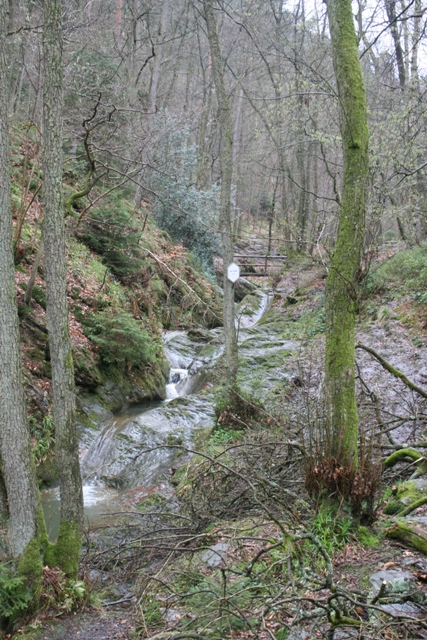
{"type": "Point", "coordinates": [255, 261]}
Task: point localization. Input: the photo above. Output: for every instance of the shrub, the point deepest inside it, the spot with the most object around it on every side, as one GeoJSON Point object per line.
{"type": "Point", "coordinates": [188, 214]}
{"type": "Point", "coordinates": [332, 531]}
{"type": "Point", "coordinates": [121, 340]}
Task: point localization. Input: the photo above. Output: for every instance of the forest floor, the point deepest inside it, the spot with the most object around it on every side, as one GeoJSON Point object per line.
{"type": "Point", "coordinates": [395, 327]}
{"type": "Point", "coordinates": [353, 565]}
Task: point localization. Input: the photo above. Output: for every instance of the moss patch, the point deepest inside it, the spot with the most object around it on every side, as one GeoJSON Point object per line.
{"type": "Point", "coordinates": [67, 548]}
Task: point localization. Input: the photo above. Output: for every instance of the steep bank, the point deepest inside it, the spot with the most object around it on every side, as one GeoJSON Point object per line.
{"type": "Point", "coordinates": [119, 305]}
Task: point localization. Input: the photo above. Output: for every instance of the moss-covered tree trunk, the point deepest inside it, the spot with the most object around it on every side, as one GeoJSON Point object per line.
{"type": "Point", "coordinates": [23, 511]}
{"type": "Point", "coordinates": [69, 538]}
{"type": "Point", "coordinates": [226, 158]}
{"type": "Point", "coordinates": [342, 279]}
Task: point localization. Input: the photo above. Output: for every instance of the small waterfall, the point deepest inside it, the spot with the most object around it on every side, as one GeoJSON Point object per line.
{"type": "Point", "coordinates": [176, 385]}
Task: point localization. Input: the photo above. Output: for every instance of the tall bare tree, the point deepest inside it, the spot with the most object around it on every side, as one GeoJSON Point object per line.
{"type": "Point", "coordinates": [69, 537]}
{"type": "Point", "coordinates": [226, 157]}
{"type": "Point", "coordinates": [25, 524]}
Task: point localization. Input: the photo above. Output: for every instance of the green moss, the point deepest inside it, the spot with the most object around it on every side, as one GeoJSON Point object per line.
{"type": "Point", "coordinates": [67, 548]}
{"type": "Point", "coordinates": [392, 508]}
{"type": "Point", "coordinates": [152, 503]}
{"type": "Point", "coordinates": [30, 563]}
{"type": "Point", "coordinates": [401, 454]}
{"type": "Point", "coordinates": [86, 372]}
{"type": "Point", "coordinates": [366, 538]}
{"type": "Point", "coordinates": [201, 439]}
{"type": "Point", "coordinates": [406, 494]}
{"type": "Point", "coordinates": [49, 555]}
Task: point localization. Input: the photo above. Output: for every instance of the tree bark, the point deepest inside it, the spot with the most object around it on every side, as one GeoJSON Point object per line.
{"type": "Point", "coordinates": [17, 466]}
{"type": "Point", "coordinates": [342, 279]}
{"type": "Point", "coordinates": [226, 157]}
{"type": "Point", "coordinates": [69, 538]}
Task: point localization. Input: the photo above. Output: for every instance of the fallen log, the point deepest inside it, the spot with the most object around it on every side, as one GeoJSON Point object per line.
{"type": "Point", "coordinates": [410, 534]}
{"type": "Point", "coordinates": [401, 454]}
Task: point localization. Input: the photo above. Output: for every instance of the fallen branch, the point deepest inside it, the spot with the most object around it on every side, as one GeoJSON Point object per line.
{"type": "Point", "coordinates": [395, 372]}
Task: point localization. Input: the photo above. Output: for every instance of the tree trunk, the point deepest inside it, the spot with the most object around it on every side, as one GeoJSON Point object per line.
{"type": "Point", "coordinates": [342, 279]}
{"type": "Point", "coordinates": [390, 6]}
{"type": "Point", "coordinates": [226, 157]}
{"type": "Point", "coordinates": [69, 539]}
{"type": "Point", "coordinates": [153, 90]}
{"type": "Point", "coordinates": [25, 521]}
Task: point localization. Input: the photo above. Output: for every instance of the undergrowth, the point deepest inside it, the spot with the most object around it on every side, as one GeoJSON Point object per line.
{"type": "Point", "coordinates": [404, 273]}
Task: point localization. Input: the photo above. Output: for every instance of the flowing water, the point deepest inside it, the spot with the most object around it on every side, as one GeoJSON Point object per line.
{"type": "Point", "coordinates": [140, 446]}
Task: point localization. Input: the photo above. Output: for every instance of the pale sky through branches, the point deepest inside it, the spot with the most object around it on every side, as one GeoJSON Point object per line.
{"type": "Point", "coordinates": [376, 25]}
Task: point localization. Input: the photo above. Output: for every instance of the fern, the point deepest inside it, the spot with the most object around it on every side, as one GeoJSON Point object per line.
{"type": "Point", "coordinates": [14, 596]}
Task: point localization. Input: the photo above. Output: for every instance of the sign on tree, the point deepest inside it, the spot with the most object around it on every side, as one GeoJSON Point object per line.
{"type": "Point", "coordinates": [233, 272]}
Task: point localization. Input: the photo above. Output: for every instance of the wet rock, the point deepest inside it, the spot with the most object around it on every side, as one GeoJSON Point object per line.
{"type": "Point", "coordinates": [140, 449]}
{"type": "Point", "coordinates": [397, 583]}
{"type": "Point", "coordinates": [199, 334]}
{"type": "Point", "coordinates": [397, 610]}
{"type": "Point", "coordinates": [243, 288]}
{"type": "Point", "coordinates": [251, 309]}
{"type": "Point", "coordinates": [215, 555]}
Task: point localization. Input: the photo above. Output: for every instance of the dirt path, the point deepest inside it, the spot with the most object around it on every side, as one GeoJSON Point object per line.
{"type": "Point", "coordinates": [93, 625]}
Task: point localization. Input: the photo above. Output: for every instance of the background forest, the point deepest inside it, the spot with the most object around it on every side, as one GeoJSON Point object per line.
{"type": "Point", "coordinates": [141, 112]}
{"type": "Point", "coordinates": [263, 527]}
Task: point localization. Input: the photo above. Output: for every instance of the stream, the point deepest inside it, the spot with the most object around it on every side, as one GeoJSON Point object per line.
{"type": "Point", "coordinates": [135, 451]}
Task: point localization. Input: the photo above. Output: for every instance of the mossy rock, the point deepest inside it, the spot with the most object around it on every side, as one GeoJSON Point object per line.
{"type": "Point", "coordinates": [199, 334]}
{"type": "Point", "coordinates": [407, 493]}
{"type": "Point", "coordinates": [86, 372]}
{"type": "Point", "coordinates": [154, 502]}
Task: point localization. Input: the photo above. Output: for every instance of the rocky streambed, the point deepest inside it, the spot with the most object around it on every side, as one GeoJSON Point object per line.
{"type": "Point", "coordinates": [140, 446]}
